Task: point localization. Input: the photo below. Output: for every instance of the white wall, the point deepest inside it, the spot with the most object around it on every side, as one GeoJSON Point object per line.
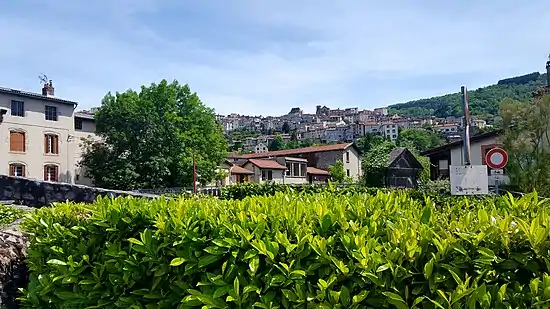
{"type": "Point", "coordinates": [257, 176]}
{"type": "Point", "coordinates": [354, 164]}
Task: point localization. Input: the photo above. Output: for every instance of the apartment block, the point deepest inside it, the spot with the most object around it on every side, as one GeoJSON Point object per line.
{"type": "Point", "coordinates": [40, 135]}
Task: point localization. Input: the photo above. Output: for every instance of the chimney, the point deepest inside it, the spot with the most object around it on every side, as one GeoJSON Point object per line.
{"type": "Point", "coordinates": [48, 89]}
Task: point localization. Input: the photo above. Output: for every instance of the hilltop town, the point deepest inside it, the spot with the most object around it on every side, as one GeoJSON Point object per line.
{"type": "Point", "coordinates": [328, 126]}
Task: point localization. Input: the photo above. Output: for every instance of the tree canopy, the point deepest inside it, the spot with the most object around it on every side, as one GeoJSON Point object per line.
{"type": "Point", "coordinates": [484, 101]}
{"type": "Point", "coordinates": [148, 139]}
{"type": "Point", "coordinates": [419, 139]}
{"type": "Point", "coordinates": [338, 173]}
{"type": "Point", "coordinates": [527, 142]}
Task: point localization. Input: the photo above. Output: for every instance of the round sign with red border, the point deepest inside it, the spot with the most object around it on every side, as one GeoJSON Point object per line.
{"type": "Point", "coordinates": [496, 158]}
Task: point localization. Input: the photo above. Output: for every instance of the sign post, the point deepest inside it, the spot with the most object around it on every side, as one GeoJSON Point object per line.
{"type": "Point", "coordinates": [468, 179]}
{"type": "Point", "coordinates": [496, 158]}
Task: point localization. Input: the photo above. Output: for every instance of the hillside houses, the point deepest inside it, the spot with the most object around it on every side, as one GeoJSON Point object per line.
{"type": "Point", "coordinates": [335, 126]}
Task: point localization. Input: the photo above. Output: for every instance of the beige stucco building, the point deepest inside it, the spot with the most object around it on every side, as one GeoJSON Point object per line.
{"type": "Point", "coordinates": [40, 136]}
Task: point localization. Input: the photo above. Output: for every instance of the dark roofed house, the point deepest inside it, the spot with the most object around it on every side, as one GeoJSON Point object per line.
{"type": "Point", "coordinates": [403, 169]}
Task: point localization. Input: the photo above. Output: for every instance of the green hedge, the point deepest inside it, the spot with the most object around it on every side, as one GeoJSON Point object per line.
{"type": "Point", "coordinates": [9, 214]}
{"type": "Point", "coordinates": [290, 251]}
{"type": "Point", "coordinates": [240, 191]}
{"type": "Point", "coordinates": [439, 191]}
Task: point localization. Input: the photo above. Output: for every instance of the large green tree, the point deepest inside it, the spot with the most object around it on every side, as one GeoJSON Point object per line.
{"type": "Point", "coordinates": [526, 139]}
{"type": "Point", "coordinates": [148, 139]}
{"type": "Point", "coordinates": [420, 139]}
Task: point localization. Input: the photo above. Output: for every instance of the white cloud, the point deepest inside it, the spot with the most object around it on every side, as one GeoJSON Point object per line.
{"type": "Point", "coordinates": [351, 53]}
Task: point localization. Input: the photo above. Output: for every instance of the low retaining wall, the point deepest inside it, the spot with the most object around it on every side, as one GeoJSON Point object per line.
{"type": "Point", "coordinates": [38, 193]}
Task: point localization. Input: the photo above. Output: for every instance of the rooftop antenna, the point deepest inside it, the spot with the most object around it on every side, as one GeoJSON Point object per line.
{"type": "Point", "coordinates": [43, 79]}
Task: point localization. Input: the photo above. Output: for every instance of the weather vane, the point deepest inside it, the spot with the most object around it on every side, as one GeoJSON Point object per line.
{"type": "Point", "coordinates": [43, 78]}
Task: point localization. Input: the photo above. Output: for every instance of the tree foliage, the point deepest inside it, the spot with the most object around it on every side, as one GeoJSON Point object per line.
{"type": "Point", "coordinates": [484, 101]}
{"type": "Point", "coordinates": [148, 139]}
{"type": "Point", "coordinates": [338, 173]}
{"type": "Point", "coordinates": [364, 144]}
{"type": "Point", "coordinates": [419, 139]}
{"type": "Point", "coordinates": [375, 163]}
{"type": "Point", "coordinates": [526, 139]}
{"type": "Point", "coordinates": [278, 143]}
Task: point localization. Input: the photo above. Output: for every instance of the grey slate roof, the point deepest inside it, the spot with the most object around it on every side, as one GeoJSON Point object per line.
{"type": "Point", "coordinates": [33, 95]}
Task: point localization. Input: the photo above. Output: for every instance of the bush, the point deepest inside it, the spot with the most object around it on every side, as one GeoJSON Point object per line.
{"type": "Point", "coordinates": [240, 191]}
{"type": "Point", "coordinates": [9, 214]}
{"type": "Point", "coordinates": [290, 251]}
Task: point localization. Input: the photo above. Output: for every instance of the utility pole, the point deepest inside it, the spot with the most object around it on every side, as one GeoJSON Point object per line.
{"type": "Point", "coordinates": [194, 175]}
{"type": "Point", "coordinates": [466, 136]}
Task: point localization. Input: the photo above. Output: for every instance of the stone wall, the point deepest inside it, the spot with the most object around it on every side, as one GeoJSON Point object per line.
{"type": "Point", "coordinates": [42, 193]}
{"type": "Point", "coordinates": [13, 271]}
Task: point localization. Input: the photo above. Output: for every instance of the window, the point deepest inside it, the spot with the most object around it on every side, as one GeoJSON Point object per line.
{"type": "Point", "coordinates": [17, 108]}
{"type": "Point", "coordinates": [78, 124]}
{"type": "Point", "coordinates": [17, 141]}
{"type": "Point", "coordinates": [51, 144]}
{"type": "Point", "coordinates": [394, 136]}
{"type": "Point", "coordinates": [296, 169]}
{"type": "Point", "coordinates": [50, 113]}
{"type": "Point", "coordinates": [17, 169]}
{"type": "Point", "coordinates": [50, 172]}
{"type": "Point", "coordinates": [267, 175]}
{"type": "Point", "coordinates": [347, 156]}
{"type": "Point", "coordinates": [347, 172]}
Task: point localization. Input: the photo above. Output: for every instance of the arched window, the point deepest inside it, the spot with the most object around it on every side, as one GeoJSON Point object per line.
{"type": "Point", "coordinates": [17, 169]}
{"type": "Point", "coordinates": [51, 143]}
{"type": "Point", "coordinates": [17, 141]}
{"type": "Point", "coordinates": [51, 172]}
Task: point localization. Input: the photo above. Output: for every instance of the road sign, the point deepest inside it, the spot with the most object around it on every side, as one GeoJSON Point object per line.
{"type": "Point", "coordinates": [469, 180]}
{"type": "Point", "coordinates": [496, 158]}
{"type": "Point", "coordinates": [497, 171]}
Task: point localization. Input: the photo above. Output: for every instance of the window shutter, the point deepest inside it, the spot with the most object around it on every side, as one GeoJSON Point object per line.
{"type": "Point", "coordinates": [56, 172]}
{"type": "Point", "coordinates": [17, 141]}
{"type": "Point", "coordinates": [12, 170]}
{"type": "Point", "coordinates": [12, 141]}
{"type": "Point", "coordinates": [55, 139]}
{"type": "Point", "coordinates": [24, 172]}
{"type": "Point", "coordinates": [45, 144]}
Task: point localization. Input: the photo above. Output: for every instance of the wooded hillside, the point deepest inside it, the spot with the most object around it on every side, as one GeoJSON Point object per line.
{"type": "Point", "coordinates": [483, 101]}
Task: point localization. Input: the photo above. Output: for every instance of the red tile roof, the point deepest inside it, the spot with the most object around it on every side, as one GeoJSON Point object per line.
{"type": "Point", "coordinates": [290, 152]}
{"type": "Point", "coordinates": [240, 170]}
{"type": "Point", "coordinates": [267, 164]}
{"type": "Point", "coordinates": [316, 171]}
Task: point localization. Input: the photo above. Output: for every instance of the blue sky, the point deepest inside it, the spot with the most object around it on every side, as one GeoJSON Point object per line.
{"type": "Point", "coordinates": [264, 57]}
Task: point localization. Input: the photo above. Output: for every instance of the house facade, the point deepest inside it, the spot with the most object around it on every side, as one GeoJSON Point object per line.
{"type": "Point", "coordinates": [452, 154]}
{"type": "Point", "coordinates": [40, 136]}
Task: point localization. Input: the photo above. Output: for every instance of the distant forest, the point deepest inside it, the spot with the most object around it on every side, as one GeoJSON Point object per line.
{"type": "Point", "coordinates": [483, 102]}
